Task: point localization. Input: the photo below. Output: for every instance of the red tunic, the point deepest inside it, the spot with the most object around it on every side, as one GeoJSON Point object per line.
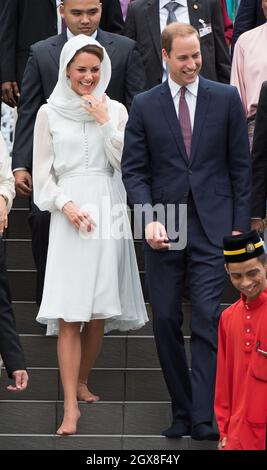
{"type": "Point", "coordinates": [241, 382]}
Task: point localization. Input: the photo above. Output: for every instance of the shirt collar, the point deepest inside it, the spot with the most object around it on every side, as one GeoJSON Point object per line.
{"type": "Point", "coordinates": [70, 35]}
{"type": "Point", "coordinates": [261, 299]}
{"type": "Point", "coordinates": [175, 88]}
{"type": "Point", "coordinates": [162, 3]}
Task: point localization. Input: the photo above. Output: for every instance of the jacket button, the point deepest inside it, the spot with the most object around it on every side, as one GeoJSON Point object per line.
{"type": "Point", "coordinates": [190, 172]}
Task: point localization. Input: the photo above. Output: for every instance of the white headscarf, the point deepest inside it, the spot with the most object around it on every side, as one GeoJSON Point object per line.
{"type": "Point", "coordinates": [63, 99]}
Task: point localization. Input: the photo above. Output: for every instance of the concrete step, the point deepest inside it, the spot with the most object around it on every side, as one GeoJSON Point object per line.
{"type": "Point", "coordinates": [22, 284]}
{"type": "Point", "coordinates": [111, 384]}
{"type": "Point", "coordinates": [18, 226]}
{"type": "Point", "coordinates": [26, 312]}
{"type": "Point", "coordinates": [117, 352]}
{"type": "Point", "coordinates": [101, 418]}
{"type": "Point", "coordinates": [21, 202]}
{"type": "Point", "coordinates": [19, 254]}
{"type": "Point", "coordinates": [100, 442]}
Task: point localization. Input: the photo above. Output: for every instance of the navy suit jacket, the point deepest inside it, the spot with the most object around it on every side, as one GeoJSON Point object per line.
{"type": "Point", "coordinates": [156, 169]}
{"type": "Point", "coordinates": [249, 16]}
{"type": "Point", "coordinates": [40, 78]}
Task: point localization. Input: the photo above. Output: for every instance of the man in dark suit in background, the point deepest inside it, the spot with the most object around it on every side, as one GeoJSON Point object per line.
{"type": "Point", "coordinates": [249, 16]}
{"type": "Point", "coordinates": [23, 22]}
{"type": "Point", "coordinates": [259, 164]}
{"type": "Point", "coordinates": [201, 160]}
{"type": "Point", "coordinates": [40, 77]}
{"type": "Point", "coordinates": [147, 18]}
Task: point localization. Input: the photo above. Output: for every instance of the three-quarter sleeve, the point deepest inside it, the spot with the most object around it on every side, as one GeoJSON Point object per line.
{"type": "Point", "coordinates": [7, 186]}
{"type": "Point", "coordinates": [114, 138]}
{"type": "Point", "coordinates": [47, 194]}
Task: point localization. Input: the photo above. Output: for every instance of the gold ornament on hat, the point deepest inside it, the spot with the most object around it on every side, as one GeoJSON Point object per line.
{"type": "Point", "coordinates": [250, 248]}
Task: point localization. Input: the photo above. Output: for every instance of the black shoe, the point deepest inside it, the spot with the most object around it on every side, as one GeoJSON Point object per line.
{"type": "Point", "coordinates": [204, 431]}
{"type": "Point", "coordinates": [177, 430]}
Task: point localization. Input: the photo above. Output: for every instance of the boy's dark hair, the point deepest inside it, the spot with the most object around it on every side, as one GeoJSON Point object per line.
{"type": "Point", "coordinates": [262, 258]}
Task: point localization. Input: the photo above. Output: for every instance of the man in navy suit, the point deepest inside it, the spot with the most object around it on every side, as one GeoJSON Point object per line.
{"type": "Point", "coordinates": [249, 16]}
{"type": "Point", "coordinates": [186, 143]}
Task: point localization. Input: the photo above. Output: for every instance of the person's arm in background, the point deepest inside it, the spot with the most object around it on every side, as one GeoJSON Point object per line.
{"type": "Point", "coordinates": [259, 163]}
{"type": "Point", "coordinates": [10, 347]}
{"type": "Point", "coordinates": [245, 20]}
{"type": "Point", "coordinates": [228, 25]}
{"type": "Point", "coordinates": [130, 29]}
{"type": "Point", "coordinates": [222, 57]}
{"type": "Point", "coordinates": [111, 17]}
{"type": "Point", "coordinates": [135, 76]}
{"type": "Point", "coordinates": [30, 101]}
{"type": "Point", "coordinates": [9, 10]}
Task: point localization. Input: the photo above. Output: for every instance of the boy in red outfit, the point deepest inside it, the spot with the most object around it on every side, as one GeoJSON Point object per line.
{"type": "Point", "coordinates": [241, 382]}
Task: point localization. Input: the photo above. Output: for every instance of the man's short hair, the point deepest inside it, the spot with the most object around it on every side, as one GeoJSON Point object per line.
{"type": "Point", "coordinates": [175, 30]}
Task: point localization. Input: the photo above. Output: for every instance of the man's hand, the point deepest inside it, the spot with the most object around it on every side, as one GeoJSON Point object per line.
{"type": "Point", "coordinates": [222, 443]}
{"type": "Point", "coordinates": [3, 215]}
{"type": "Point", "coordinates": [78, 217]}
{"type": "Point", "coordinates": [21, 381]}
{"type": "Point", "coordinates": [156, 236]}
{"type": "Point", "coordinates": [236, 232]}
{"type": "Point", "coordinates": [23, 182]}
{"type": "Point", "coordinates": [257, 224]}
{"type": "Point", "coordinates": [10, 93]}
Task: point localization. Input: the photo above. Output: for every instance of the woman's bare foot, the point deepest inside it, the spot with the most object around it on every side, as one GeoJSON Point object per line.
{"type": "Point", "coordinates": [69, 423]}
{"type": "Point", "coordinates": [83, 394]}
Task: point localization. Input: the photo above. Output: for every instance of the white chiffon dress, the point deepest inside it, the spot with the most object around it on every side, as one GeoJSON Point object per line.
{"type": "Point", "coordinates": [88, 275]}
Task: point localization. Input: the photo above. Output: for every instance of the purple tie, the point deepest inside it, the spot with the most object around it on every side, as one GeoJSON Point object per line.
{"type": "Point", "coordinates": [184, 120]}
{"type": "Point", "coordinates": [63, 25]}
{"type": "Point", "coordinates": [124, 7]}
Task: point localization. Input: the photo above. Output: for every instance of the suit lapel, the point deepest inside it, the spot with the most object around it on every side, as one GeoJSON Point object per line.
{"type": "Point", "coordinates": [56, 47]}
{"type": "Point", "coordinates": [54, 3]}
{"type": "Point", "coordinates": [106, 41]}
{"type": "Point", "coordinates": [171, 118]}
{"type": "Point", "coordinates": [152, 16]}
{"type": "Point", "coordinates": [195, 11]}
{"type": "Point", "coordinates": [203, 98]}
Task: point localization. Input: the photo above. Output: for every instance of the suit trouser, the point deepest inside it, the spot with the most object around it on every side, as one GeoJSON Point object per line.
{"type": "Point", "coordinates": [39, 222]}
{"type": "Point", "coordinates": [10, 347]}
{"type": "Point", "coordinates": [202, 265]}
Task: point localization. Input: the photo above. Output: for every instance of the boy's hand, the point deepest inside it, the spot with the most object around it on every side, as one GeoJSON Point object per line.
{"type": "Point", "coordinates": [222, 443]}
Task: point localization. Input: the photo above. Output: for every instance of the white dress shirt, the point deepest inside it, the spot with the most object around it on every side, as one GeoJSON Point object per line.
{"type": "Point", "coordinates": [181, 12]}
{"type": "Point", "coordinates": [190, 97]}
{"type": "Point", "coordinates": [59, 19]}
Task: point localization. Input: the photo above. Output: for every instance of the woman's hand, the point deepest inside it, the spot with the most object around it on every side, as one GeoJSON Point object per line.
{"type": "Point", "coordinates": [3, 215]}
{"type": "Point", "coordinates": [97, 108]}
{"type": "Point", "coordinates": [77, 217]}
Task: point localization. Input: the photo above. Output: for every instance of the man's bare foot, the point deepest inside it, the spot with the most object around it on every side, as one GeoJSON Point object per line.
{"type": "Point", "coordinates": [83, 394]}
{"type": "Point", "coordinates": [69, 423]}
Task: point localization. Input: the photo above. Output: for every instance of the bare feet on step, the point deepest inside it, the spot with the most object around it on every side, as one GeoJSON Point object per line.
{"type": "Point", "coordinates": [69, 423]}
{"type": "Point", "coordinates": [83, 394]}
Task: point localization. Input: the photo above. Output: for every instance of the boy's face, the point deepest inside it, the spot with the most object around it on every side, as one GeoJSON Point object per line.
{"type": "Point", "coordinates": [249, 277]}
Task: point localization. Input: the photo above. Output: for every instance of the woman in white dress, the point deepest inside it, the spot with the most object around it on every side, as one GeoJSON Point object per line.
{"type": "Point", "coordinates": [91, 283]}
